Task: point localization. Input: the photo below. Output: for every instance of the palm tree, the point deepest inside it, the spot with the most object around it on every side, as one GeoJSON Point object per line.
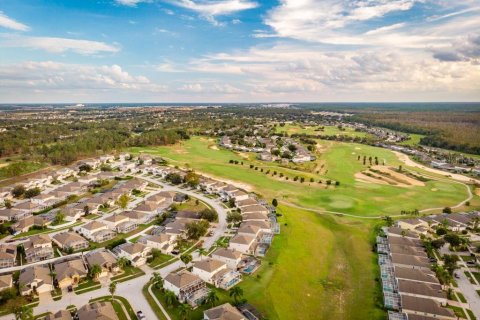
{"type": "Point", "coordinates": [95, 271]}
{"type": "Point", "coordinates": [202, 252]}
{"type": "Point", "coordinates": [212, 298]}
{"type": "Point", "coordinates": [157, 280]}
{"type": "Point", "coordinates": [170, 298]}
{"type": "Point", "coordinates": [236, 293]}
{"type": "Point", "coordinates": [184, 310]}
{"type": "Point", "coordinates": [122, 263]}
{"type": "Point", "coordinates": [186, 258]}
{"type": "Point", "coordinates": [112, 288]}
{"type": "Point", "coordinates": [23, 313]}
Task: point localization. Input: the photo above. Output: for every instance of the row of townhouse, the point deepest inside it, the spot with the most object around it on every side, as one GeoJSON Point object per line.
{"type": "Point", "coordinates": [410, 288]}
{"type": "Point", "coordinates": [39, 279]}
{"type": "Point", "coordinates": [455, 222]}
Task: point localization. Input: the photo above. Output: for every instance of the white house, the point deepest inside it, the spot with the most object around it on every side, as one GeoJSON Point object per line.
{"type": "Point", "coordinates": [230, 257]}
{"type": "Point", "coordinates": [137, 253]}
{"type": "Point", "coordinates": [244, 244]}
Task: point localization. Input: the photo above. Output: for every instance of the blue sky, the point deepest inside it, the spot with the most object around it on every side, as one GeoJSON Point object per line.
{"type": "Point", "coordinates": [239, 50]}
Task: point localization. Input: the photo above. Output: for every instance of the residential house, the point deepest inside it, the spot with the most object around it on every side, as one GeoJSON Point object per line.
{"type": "Point", "coordinates": [188, 287]}
{"type": "Point", "coordinates": [102, 310]}
{"type": "Point", "coordinates": [244, 244]}
{"type": "Point", "coordinates": [96, 231]}
{"type": "Point", "coordinates": [13, 215]}
{"type": "Point", "coordinates": [230, 257]}
{"type": "Point", "coordinates": [72, 213]}
{"type": "Point", "coordinates": [69, 273]}
{"type": "Point", "coordinates": [70, 241]}
{"type": "Point", "coordinates": [223, 312]}
{"type": "Point", "coordinates": [176, 228]}
{"type": "Point", "coordinates": [254, 209]}
{"type": "Point", "coordinates": [425, 307]}
{"type": "Point", "coordinates": [35, 279]}
{"type": "Point", "coordinates": [216, 273]}
{"type": "Point", "coordinates": [255, 216]}
{"type": "Point", "coordinates": [422, 290]}
{"type": "Point", "coordinates": [105, 259]}
{"type": "Point", "coordinates": [246, 202]}
{"type": "Point", "coordinates": [137, 253]}
{"type": "Point", "coordinates": [163, 242]}
{"type": "Point", "coordinates": [139, 217]}
{"type": "Point", "coordinates": [60, 315]}
{"type": "Point", "coordinates": [38, 248]}
{"type": "Point", "coordinates": [8, 255]}
{"type": "Point", "coordinates": [29, 207]}
{"type": "Point", "coordinates": [6, 282]}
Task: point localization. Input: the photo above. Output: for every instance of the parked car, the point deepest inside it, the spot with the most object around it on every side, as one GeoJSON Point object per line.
{"type": "Point", "coordinates": [456, 275]}
{"type": "Point", "coordinates": [140, 315]}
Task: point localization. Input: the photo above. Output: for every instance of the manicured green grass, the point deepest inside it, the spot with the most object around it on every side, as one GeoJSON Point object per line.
{"type": "Point", "coordinates": [87, 286]}
{"type": "Point", "coordinates": [458, 312]}
{"type": "Point", "coordinates": [160, 259]}
{"type": "Point", "coordinates": [129, 273]}
{"type": "Point", "coordinates": [190, 205]}
{"type": "Point", "coordinates": [311, 130]}
{"type": "Point", "coordinates": [414, 140]}
{"type": "Point", "coordinates": [461, 297]}
{"type": "Point", "coordinates": [471, 315]}
{"type": "Point", "coordinates": [341, 164]}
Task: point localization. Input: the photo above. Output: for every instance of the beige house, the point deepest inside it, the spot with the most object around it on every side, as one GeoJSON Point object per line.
{"type": "Point", "coordinates": [70, 241]}
{"type": "Point", "coordinates": [231, 257]}
{"type": "Point", "coordinates": [244, 244]}
{"type": "Point", "coordinates": [186, 286]}
{"type": "Point", "coordinates": [35, 279]}
{"type": "Point", "coordinates": [97, 311]}
{"type": "Point", "coordinates": [60, 315]}
{"type": "Point", "coordinates": [6, 282]}
{"type": "Point", "coordinates": [38, 248]}
{"type": "Point", "coordinates": [223, 312]}
{"type": "Point", "coordinates": [105, 259]}
{"type": "Point", "coordinates": [163, 242]}
{"type": "Point", "coordinates": [137, 253]}
{"type": "Point", "coordinates": [69, 273]}
{"type": "Point", "coordinates": [8, 255]}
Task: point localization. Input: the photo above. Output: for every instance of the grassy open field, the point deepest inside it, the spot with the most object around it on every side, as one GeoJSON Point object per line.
{"type": "Point", "coordinates": [328, 130]}
{"type": "Point", "coordinates": [320, 266]}
{"type": "Point", "coordinates": [340, 164]}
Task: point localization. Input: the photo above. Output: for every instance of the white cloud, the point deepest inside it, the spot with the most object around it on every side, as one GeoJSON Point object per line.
{"type": "Point", "coordinates": [56, 77]}
{"type": "Point", "coordinates": [206, 88]}
{"type": "Point", "coordinates": [57, 45]}
{"type": "Point", "coordinates": [130, 3]}
{"type": "Point", "coordinates": [307, 73]}
{"type": "Point", "coordinates": [210, 9]}
{"type": "Point", "coordinates": [10, 23]}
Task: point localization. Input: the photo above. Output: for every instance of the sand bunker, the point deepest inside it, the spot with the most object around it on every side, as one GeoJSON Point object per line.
{"type": "Point", "coordinates": [387, 176]}
{"type": "Point", "coordinates": [213, 147]}
{"type": "Point", "coordinates": [477, 192]}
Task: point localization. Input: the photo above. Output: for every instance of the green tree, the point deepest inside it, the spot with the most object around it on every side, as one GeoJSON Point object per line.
{"type": "Point", "coordinates": [275, 203]}
{"type": "Point", "coordinates": [236, 293]}
{"type": "Point", "coordinates": [234, 217]}
{"type": "Point", "coordinates": [59, 217]}
{"type": "Point", "coordinates": [170, 298]}
{"type": "Point", "coordinates": [112, 288]}
{"type": "Point", "coordinates": [192, 179]}
{"type": "Point", "coordinates": [95, 271]}
{"type": "Point", "coordinates": [388, 221]}
{"type": "Point", "coordinates": [123, 200]}
{"type": "Point", "coordinates": [18, 191]}
{"type": "Point", "coordinates": [186, 258]}
{"type": "Point", "coordinates": [157, 280]}
{"type": "Point", "coordinates": [202, 252]}
{"type": "Point", "coordinates": [123, 263]}
{"type": "Point", "coordinates": [184, 310]}
{"type": "Point", "coordinates": [23, 312]}
{"type": "Point", "coordinates": [212, 298]}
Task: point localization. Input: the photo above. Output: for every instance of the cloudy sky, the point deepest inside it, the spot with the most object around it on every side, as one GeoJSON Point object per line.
{"type": "Point", "coordinates": [239, 50]}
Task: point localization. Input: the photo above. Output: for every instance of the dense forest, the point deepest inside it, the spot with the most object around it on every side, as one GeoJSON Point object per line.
{"type": "Point", "coordinates": [459, 131]}
{"type": "Point", "coordinates": [65, 143]}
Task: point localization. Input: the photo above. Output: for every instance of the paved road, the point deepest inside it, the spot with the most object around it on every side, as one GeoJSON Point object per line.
{"type": "Point", "coordinates": [469, 293]}
{"type": "Point", "coordinates": [132, 290]}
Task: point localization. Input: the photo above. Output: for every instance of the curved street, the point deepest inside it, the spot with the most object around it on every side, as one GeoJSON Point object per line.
{"type": "Point", "coordinates": [132, 289]}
